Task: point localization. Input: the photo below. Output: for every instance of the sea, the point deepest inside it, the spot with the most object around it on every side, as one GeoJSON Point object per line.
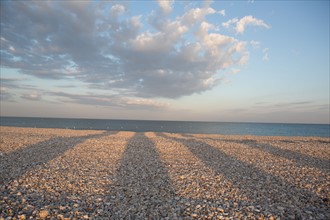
{"type": "Point", "coordinates": [228, 128]}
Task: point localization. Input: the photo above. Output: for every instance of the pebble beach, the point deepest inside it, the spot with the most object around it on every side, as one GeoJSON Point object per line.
{"type": "Point", "coordinates": [89, 174]}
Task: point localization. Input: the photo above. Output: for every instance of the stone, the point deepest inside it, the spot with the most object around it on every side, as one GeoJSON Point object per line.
{"type": "Point", "coordinates": [21, 217]}
{"type": "Point", "coordinates": [43, 213]}
{"type": "Point", "coordinates": [125, 176]}
{"type": "Point", "coordinates": [194, 215]}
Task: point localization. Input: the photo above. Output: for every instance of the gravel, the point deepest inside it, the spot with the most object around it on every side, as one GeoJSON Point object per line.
{"type": "Point", "coordinates": [76, 174]}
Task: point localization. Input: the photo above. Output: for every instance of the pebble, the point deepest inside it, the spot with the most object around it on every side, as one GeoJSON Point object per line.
{"type": "Point", "coordinates": [22, 217]}
{"type": "Point", "coordinates": [57, 174]}
{"type": "Point", "coordinates": [43, 213]}
{"type": "Point", "coordinates": [194, 215]}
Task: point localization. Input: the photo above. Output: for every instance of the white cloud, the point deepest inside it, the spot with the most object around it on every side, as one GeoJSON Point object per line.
{"type": "Point", "coordinates": [241, 24]}
{"type": "Point", "coordinates": [117, 9]}
{"type": "Point", "coordinates": [11, 48]}
{"type": "Point", "coordinates": [229, 22]}
{"type": "Point", "coordinates": [265, 56]}
{"type": "Point", "coordinates": [222, 12]}
{"type": "Point", "coordinates": [196, 15]}
{"type": "Point", "coordinates": [148, 42]}
{"type": "Point", "coordinates": [103, 46]}
{"type": "Point", "coordinates": [249, 20]}
{"type": "Point", "coordinates": [255, 44]}
{"type": "Point", "coordinates": [147, 102]}
{"type": "Point", "coordinates": [136, 22]}
{"type": "Point", "coordinates": [244, 59]}
{"type": "Point", "coordinates": [166, 5]}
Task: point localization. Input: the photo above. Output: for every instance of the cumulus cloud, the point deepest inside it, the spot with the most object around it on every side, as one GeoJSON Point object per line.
{"type": "Point", "coordinates": [241, 24]}
{"type": "Point", "coordinates": [165, 5]}
{"type": "Point", "coordinates": [104, 46]}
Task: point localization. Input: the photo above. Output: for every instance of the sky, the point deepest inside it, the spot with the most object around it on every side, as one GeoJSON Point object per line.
{"type": "Point", "coordinates": [227, 61]}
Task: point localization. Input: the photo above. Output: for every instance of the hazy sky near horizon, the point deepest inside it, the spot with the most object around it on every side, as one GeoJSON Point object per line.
{"type": "Point", "coordinates": [243, 61]}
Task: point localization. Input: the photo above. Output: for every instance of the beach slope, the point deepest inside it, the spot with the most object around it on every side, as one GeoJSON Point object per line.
{"type": "Point", "coordinates": [86, 174]}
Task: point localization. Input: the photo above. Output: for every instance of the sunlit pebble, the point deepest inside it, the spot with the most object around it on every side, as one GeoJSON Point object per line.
{"type": "Point", "coordinates": [109, 178]}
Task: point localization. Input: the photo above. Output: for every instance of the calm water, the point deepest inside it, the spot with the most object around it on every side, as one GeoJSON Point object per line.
{"type": "Point", "coordinates": [263, 129]}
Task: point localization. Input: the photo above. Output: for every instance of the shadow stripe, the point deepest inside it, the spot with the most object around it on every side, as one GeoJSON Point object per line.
{"type": "Point", "coordinates": [141, 188]}
{"type": "Point", "coordinates": [256, 184]}
{"type": "Point", "coordinates": [303, 159]}
{"type": "Point", "coordinates": [16, 163]}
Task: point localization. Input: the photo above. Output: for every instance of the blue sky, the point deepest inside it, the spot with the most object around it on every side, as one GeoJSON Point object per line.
{"type": "Point", "coordinates": [241, 61]}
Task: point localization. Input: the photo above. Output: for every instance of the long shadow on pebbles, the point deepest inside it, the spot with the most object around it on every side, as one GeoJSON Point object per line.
{"type": "Point", "coordinates": [141, 188]}
{"type": "Point", "coordinates": [24, 159]}
{"type": "Point", "coordinates": [303, 159]}
{"type": "Point", "coordinates": [264, 189]}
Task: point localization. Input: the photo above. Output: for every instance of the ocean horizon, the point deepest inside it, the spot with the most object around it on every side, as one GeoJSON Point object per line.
{"type": "Point", "coordinates": [194, 127]}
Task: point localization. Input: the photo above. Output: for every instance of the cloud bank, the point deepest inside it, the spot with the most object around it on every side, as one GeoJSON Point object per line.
{"type": "Point", "coordinates": [107, 47]}
{"type": "Point", "coordinates": [109, 100]}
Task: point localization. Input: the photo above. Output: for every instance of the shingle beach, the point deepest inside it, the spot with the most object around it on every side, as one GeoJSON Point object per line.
{"type": "Point", "coordinates": [86, 174]}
